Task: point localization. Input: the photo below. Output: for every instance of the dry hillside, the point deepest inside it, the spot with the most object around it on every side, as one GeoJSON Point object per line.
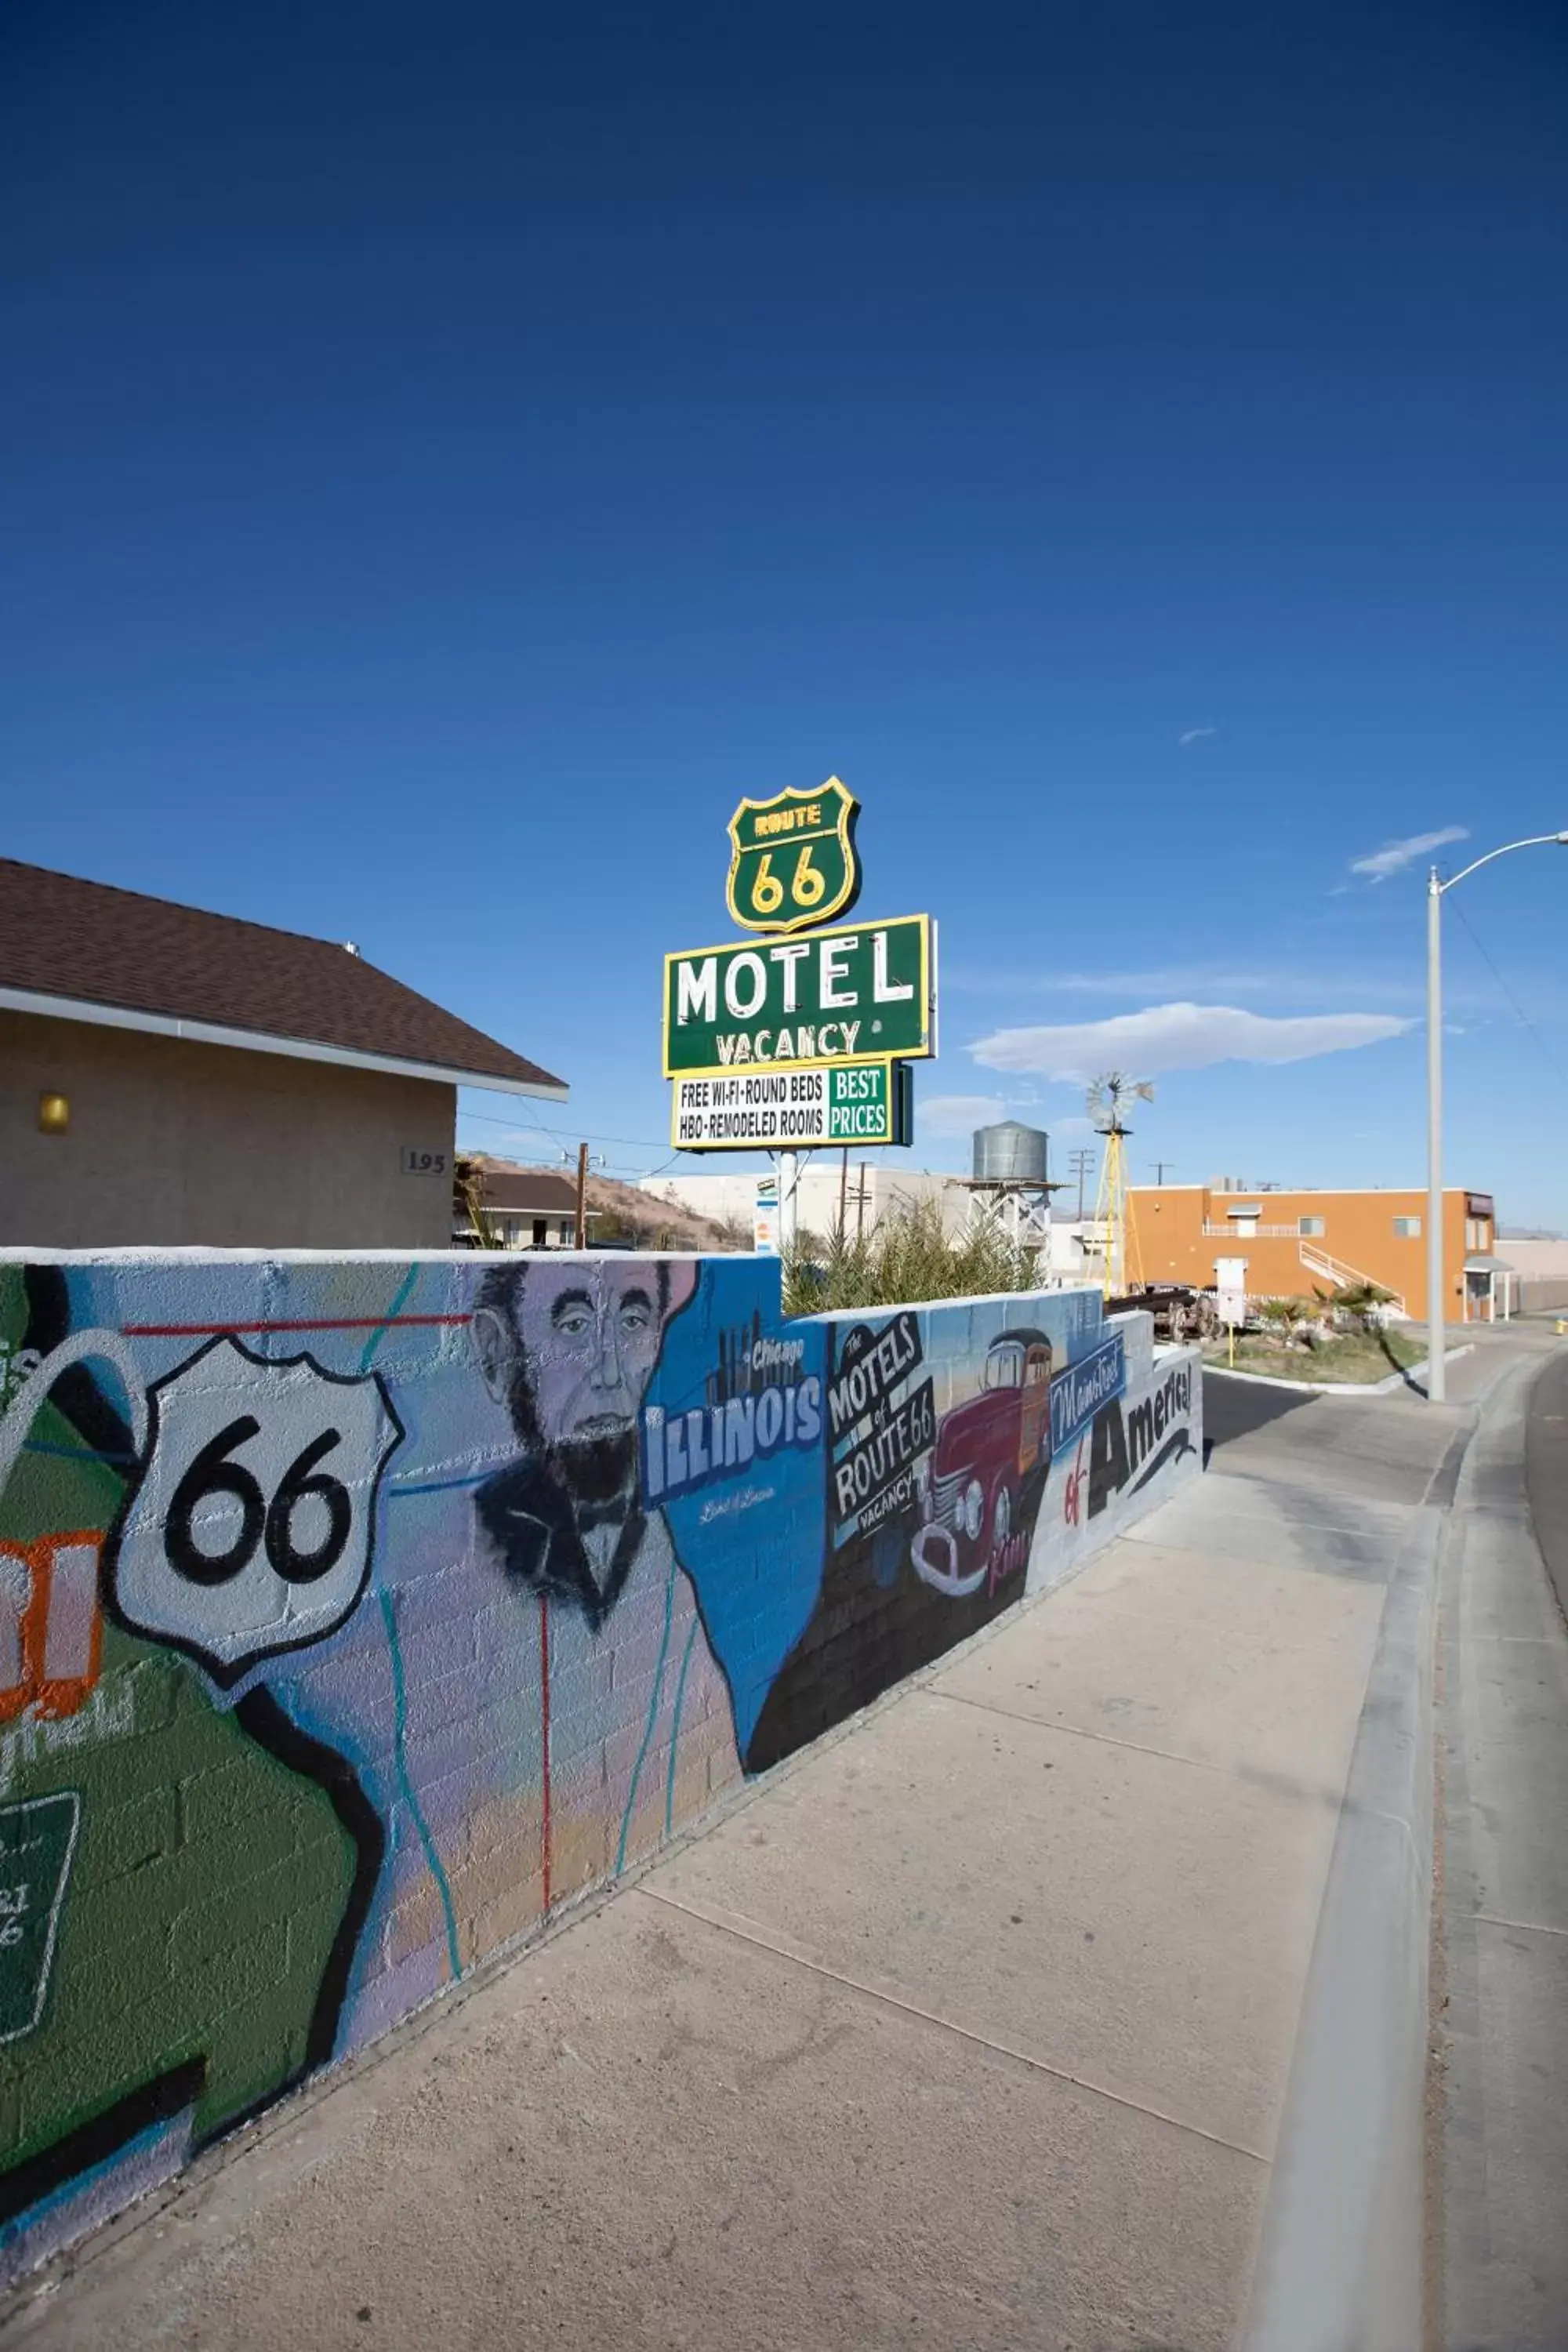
{"type": "Point", "coordinates": [628, 1214]}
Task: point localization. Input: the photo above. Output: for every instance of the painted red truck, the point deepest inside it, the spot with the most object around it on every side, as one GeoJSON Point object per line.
{"type": "Point", "coordinates": [987, 1470]}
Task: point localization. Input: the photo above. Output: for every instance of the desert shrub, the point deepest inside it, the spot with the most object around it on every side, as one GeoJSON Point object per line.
{"type": "Point", "coordinates": [906, 1256]}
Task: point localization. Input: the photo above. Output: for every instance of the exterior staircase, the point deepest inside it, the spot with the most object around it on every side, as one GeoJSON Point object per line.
{"type": "Point", "coordinates": [1333, 1269]}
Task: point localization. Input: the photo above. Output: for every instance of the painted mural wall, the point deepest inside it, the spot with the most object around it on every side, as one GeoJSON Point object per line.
{"type": "Point", "coordinates": [354, 1614]}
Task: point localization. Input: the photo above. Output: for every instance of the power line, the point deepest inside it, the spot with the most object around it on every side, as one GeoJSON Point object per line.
{"type": "Point", "coordinates": [1552, 1064]}
{"type": "Point", "coordinates": [1080, 1162]}
{"type": "Point", "coordinates": [567, 1134]}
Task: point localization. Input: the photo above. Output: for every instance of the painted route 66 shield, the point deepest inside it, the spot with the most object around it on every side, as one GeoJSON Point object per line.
{"type": "Point", "coordinates": [251, 1529]}
{"type": "Point", "coordinates": [793, 860]}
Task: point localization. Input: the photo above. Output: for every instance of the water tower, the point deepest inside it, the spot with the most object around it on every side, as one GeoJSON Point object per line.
{"type": "Point", "coordinates": [1010, 1184]}
{"type": "Point", "coordinates": [1012, 1153]}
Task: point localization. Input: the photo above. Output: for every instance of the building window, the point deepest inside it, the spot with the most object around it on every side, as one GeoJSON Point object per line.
{"type": "Point", "coordinates": [1470, 1241]}
{"type": "Point", "coordinates": [1407, 1228]}
{"type": "Point", "coordinates": [1309, 1225]}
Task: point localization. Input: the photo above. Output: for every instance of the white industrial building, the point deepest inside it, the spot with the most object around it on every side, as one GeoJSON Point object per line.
{"type": "Point", "coordinates": [1073, 1249]}
{"type": "Point", "coordinates": [866, 1189]}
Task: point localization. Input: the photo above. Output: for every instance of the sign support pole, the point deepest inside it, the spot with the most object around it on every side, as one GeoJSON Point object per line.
{"type": "Point", "coordinates": [789, 1177]}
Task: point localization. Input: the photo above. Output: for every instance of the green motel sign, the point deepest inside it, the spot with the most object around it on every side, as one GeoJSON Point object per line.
{"type": "Point", "coordinates": [861, 993]}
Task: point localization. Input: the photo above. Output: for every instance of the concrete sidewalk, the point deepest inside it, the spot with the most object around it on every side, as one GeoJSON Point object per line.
{"type": "Point", "coordinates": [1504, 1725]}
{"type": "Point", "coordinates": [970, 2026]}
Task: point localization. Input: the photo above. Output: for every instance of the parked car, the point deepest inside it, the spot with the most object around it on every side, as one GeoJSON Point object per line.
{"type": "Point", "coordinates": [987, 1469]}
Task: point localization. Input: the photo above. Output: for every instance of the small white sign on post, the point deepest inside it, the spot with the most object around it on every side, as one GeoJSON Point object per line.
{"type": "Point", "coordinates": [1230, 1280]}
{"type": "Point", "coordinates": [765, 1224]}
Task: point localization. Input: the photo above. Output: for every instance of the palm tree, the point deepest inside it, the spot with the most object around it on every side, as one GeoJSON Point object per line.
{"type": "Point", "coordinates": [1290, 1317]}
{"type": "Point", "coordinates": [1360, 1303]}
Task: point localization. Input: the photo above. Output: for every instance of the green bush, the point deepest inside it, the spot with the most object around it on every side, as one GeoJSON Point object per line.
{"type": "Point", "coordinates": [906, 1258]}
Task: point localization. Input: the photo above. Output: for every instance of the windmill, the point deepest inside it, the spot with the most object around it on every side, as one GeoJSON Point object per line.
{"type": "Point", "coordinates": [1105, 1101]}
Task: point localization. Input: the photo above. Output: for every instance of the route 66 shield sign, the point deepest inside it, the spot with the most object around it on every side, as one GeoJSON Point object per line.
{"type": "Point", "coordinates": [251, 1529]}
{"type": "Point", "coordinates": [793, 860]}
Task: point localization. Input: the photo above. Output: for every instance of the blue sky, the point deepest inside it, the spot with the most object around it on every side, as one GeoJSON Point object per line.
{"type": "Point", "coordinates": [455, 451]}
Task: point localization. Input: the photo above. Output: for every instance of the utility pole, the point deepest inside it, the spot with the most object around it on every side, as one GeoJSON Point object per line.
{"type": "Point", "coordinates": [582, 1196]}
{"type": "Point", "coordinates": [1078, 1164]}
{"type": "Point", "coordinates": [1160, 1168]}
{"type": "Point", "coordinates": [583, 1164]}
{"type": "Point", "coordinates": [843, 1195]}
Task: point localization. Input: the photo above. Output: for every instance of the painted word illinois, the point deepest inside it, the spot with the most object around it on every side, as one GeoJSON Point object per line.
{"type": "Point", "coordinates": [757, 1397]}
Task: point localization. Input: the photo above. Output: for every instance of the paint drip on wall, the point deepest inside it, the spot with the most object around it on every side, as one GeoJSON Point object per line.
{"type": "Point", "coordinates": [352, 1618]}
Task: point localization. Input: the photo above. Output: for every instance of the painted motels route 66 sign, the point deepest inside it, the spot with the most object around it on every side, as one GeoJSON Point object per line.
{"type": "Point", "coordinates": [793, 861]}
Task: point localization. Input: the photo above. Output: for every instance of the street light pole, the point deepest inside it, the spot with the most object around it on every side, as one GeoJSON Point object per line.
{"type": "Point", "coordinates": [1437, 1374]}
{"type": "Point", "coordinates": [1436, 1301]}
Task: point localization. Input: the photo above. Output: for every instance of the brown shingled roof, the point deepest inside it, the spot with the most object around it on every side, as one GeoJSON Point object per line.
{"type": "Point", "coordinates": [87, 940]}
{"type": "Point", "coordinates": [528, 1191]}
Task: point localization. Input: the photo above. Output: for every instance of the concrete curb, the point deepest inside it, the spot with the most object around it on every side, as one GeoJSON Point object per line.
{"type": "Point", "coordinates": [1341, 2262]}
{"type": "Point", "coordinates": [1335, 1387]}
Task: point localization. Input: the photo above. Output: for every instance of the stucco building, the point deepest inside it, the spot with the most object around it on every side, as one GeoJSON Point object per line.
{"type": "Point", "coordinates": [169, 1075]}
{"type": "Point", "coordinates": [1294, 1243]}
{"type": "Point", "coordinates": [524, 1208]}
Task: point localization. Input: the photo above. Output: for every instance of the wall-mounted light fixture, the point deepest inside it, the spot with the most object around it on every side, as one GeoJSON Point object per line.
{"type": "Point", "coordinates": [54, 1114]}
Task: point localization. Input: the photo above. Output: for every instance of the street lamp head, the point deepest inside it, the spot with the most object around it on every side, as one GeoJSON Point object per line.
{"type": "Point", "coordinates": [1563, 837]}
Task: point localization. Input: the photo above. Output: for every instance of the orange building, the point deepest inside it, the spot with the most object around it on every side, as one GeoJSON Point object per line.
{"type": "Point", "coordinates": [1296, 1242]}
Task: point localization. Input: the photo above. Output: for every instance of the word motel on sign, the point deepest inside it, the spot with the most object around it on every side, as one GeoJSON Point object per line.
{"type": "Point", "coordinates": [746, 979]}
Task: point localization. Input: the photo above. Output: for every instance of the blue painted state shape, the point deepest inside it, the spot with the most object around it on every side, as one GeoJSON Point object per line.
{"type": "Point", "coordinates": [750, 1538]}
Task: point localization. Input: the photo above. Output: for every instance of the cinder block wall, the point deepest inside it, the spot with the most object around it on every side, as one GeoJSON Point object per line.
{"type": "Point", "coordinates": [356, 1613]}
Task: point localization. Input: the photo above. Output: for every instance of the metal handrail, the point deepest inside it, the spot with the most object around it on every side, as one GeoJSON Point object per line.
{"type": "Point", "coordinates": [1342, 1273]}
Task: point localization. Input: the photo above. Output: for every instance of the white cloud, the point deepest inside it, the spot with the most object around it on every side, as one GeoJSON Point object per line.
{"type": "Point", "coordinates": [959, 1114]}
{"type": "Point", "coordinates": [1328, 983]}
{"type": "Point", "coordinates": [1197, 735]}
{"type": "Point", "coordinates": [1175, 978]}
{"type": "Point", "coordinates": [1395, 855]}
{"type": "Point", "coordinates": [1180, 1037]}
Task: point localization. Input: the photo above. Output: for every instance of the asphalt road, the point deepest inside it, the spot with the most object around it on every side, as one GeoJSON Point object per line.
{"type": "Point", "coordinates": [1546, 1471]}
{"type": "Point", "coordinates": [1236, 1408]}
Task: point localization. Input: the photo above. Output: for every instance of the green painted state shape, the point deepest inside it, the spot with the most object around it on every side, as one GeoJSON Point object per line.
{"type": "Point", "coordinates": [208, 1886]}
{"type": "Point", "coordinates": [208, 1881]}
